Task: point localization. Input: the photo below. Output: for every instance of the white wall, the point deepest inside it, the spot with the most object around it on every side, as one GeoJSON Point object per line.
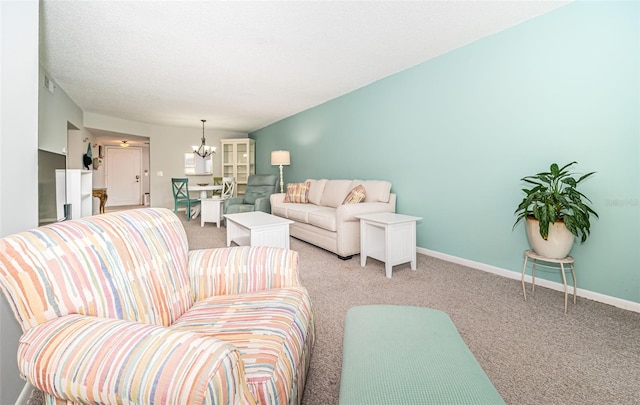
{"type": "Point", "coordinates": [99, 121]}
{"type": "Point", "coordinates": [18, 154]}
{"type": "Point", "coordinates": [167, 146]}
{"type": "Point", "coordinates": [77, 142]}
{"type": "Point", "coordinates": [55, 111]}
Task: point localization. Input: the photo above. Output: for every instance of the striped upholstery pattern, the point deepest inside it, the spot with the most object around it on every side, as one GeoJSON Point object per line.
{"type": "Point", "coordinates": [107, 361]}
{"type": "Point", "coordinates": [272, 329]}
{"type": "Point", "coordinates": [356, 195]}
{"type": "Point", "coordinates": [138, 260]}
{"type": "Point", "coordinates": [297, 193]}
{"type": "Point", "coordinates": [115, 309]}
{"type": "Point", "coordinates": [238, 270]}
{"type": "Point", "coordinates": [253, 299]}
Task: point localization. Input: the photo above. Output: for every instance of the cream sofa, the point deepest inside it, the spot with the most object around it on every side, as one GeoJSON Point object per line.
{"type": "Point", "coordinates": [325, 221]}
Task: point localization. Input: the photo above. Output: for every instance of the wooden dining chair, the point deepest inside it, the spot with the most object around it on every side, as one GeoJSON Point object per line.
{"type": "Point", "coordinates": [217, 181]}
{"type": "Point", "coordinates": [181, 196]}
{"type": "Point", "coordinates": [228, 187]}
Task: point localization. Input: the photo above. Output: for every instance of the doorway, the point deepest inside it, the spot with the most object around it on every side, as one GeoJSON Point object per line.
{"type": "Point", "coordinates": [123, 176]}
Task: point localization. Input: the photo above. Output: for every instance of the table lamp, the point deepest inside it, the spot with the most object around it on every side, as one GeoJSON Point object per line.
{"type": "Point", "coordinates": [280, 158]}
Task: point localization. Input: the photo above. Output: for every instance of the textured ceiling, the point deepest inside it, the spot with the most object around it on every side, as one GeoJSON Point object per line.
{"type": "Point", "coordinates": [245, 64]}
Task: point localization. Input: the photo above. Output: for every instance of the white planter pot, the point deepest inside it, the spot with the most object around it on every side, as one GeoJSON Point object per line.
{"type": "Point", "coordinates": [557, 245]}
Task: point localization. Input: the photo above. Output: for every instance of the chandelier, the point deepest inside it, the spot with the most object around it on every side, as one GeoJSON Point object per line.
{"type": "Point", "coordinates": [203, 150]}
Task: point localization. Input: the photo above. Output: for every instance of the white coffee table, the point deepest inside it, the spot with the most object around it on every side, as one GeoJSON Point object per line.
{"type": "Point", "coordinates": [257, 229]}
{"type": "Point", "coordinates": [388, 237]}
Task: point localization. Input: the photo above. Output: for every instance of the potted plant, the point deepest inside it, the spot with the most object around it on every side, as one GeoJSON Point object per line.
{"type": "Point", "coordinates": [555, 211]}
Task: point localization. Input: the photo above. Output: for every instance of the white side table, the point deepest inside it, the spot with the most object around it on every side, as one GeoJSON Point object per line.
{"type": "Point", "coordinates": [388, 237]}
{"type": "Point", "coordinates": [211, 210]}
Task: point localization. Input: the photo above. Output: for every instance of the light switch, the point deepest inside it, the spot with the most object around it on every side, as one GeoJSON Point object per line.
{"type": "Point", "coordinates": [160, 174]}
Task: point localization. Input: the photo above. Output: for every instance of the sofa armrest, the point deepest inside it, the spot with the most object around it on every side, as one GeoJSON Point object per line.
{"type": "Point", "coordinates": [276, 198]}
{"type": "Point", "coordinates": [242, 269]}
{"type": "Point", "coordinates": [85, 359]}
{"type": "Point", "coordinates": [262, 204]}
{"type": "Point", "coordinates": [348, 212]}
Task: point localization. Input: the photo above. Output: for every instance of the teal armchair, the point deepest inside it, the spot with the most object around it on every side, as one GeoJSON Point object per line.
{"type": "Point", "coordinates": [256, 197]}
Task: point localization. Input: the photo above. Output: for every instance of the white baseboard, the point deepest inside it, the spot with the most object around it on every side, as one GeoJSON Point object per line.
{"type": "Point", "coordinates": [606, 299]}
{"type": "Point", "coordinates": [25, 394]}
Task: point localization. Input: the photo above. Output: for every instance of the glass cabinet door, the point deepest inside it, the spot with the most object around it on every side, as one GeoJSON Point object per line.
{"type": "Point", "coordinates": [241, 154]}
{"type": "Point", "coordinates": [238, 160]}
{"type": "Point", "coordinates": [227, 154]}
{"type": "Point", "coordinates": [228, 166]}
{"type": "Point", "coordinates": [227, 171]}
{"type": "Point", "coordinates": [241, 162]}
{"type": "Point", "coordinates": [252, 158]}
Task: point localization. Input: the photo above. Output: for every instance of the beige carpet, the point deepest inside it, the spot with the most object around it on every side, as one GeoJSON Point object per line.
{"type": "Point", "coordinates": [531, 351]}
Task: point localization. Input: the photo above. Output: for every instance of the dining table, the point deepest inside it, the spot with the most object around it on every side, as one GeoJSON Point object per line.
{"type": "Point", "coordinates": [204, 190]}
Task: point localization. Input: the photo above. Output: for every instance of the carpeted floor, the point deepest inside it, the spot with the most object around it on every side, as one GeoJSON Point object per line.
{"type": "Point", "coordinates": [531, 351]}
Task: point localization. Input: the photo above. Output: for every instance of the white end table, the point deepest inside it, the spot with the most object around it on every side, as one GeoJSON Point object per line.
{"type": "Point", "coordinates": [257, 228]}
{"type": "Point", "coordinates": [211, 210]}
{"type": "Point", "coordinates": [388, 237]}
{"type": "Point", "coordinates": [195, 211]}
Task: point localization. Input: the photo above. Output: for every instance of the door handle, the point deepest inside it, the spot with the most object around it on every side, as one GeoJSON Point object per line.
{"type": "Point", "coordinates": [137, 178]}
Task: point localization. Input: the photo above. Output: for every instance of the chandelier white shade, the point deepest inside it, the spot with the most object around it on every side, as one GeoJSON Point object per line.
{"type": "Point", "coordinates": [203, 150]}
{"type": "Point", "coordinates": [281, 158]}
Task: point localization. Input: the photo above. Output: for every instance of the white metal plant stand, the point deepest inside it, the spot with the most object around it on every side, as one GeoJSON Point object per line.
{"type": "Point", "coordinates": [530, 254]}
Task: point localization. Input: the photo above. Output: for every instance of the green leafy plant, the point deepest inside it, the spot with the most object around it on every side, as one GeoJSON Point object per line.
{"type": "Point", "coordinates": [553, 197]}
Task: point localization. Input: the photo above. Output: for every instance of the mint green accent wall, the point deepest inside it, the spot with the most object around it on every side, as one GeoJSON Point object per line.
{"type": "Point", "coordinates": [455, 134]}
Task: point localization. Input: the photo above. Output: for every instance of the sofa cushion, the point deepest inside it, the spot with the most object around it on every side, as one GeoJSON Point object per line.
{"type": "Point", "coordinates": [269, 328]}
{"type": "Point", "coordinates": [334, 192]}
{"type": "Point", "coordinates": [280, 210]}
{"type": "Point", "coordinates": [355, 196]}
{"type": "Point", "coordinates": [300, 212]}
{"type": "Point", "coordinates": [316, 188]}
{"type": "Point", "coordinates": [377, 190]}
{"type": "Point", "coordinates": [295, 212]}
{"type": "Point", "coordinates": [297, 193]}
{"type": "Point", "coordinates": [323, 218]}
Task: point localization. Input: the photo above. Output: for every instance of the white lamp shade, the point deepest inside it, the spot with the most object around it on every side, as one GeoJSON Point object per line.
{"type": "Point", "coordinates": [280, 157]}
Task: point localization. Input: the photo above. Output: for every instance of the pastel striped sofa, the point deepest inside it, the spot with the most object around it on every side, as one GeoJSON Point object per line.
{"type": "Point", "coordinates": [116, 310]}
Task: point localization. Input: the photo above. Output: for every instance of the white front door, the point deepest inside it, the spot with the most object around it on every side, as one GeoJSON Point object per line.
{"type": "Point", "coordinates": [123, 177]}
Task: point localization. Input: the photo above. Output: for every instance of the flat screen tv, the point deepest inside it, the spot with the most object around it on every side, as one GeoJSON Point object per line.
{"type": "Point", "coordinates": [48, 163]}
